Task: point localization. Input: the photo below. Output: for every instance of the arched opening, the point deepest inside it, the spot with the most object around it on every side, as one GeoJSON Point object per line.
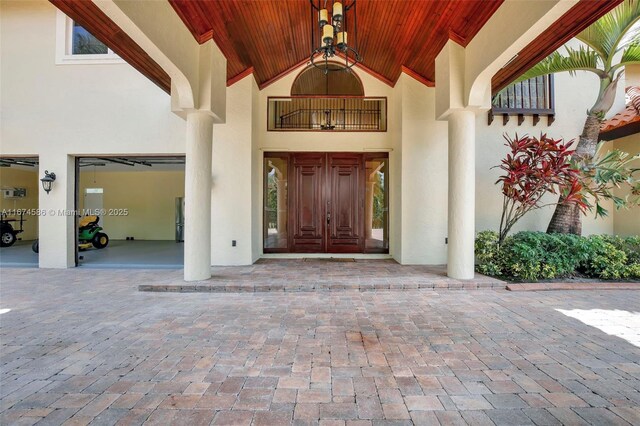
{"type": "Point", "coordinates": [313, 81]}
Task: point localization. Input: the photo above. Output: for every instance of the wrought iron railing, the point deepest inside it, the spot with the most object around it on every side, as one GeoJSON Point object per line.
{"type": "Point", "coordinates": [327, 113]}
{"type": "Point", "coordinates": [534, 97]}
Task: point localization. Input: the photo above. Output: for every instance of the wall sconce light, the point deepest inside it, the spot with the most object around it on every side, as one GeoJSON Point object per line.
{"type": "Point", "coordinates": [48, 180]}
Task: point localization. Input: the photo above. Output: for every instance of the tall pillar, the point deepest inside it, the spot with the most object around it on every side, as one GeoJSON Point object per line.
{"type": "Point", "coordinates": [197, 195]}
{"type": "Point", "coordinates": [56, 223]}
{"type": "Point", "coordinates": [461, 226]}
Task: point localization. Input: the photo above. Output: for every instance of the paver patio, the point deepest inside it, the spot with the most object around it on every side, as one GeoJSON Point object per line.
{"type": "Point", "coordinates": [85, 346]}
{"type": "Point", "coordinates": [320, 274]}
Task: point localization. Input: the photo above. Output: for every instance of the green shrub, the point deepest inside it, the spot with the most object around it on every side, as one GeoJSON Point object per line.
{"type": "Point", "coordinates": [612, 257]}
{"type": "Point", "coordinates": [633, 271]}
{"type": "Point", "coordinates": [486, 247]}
{"type": "Point", "coordinates": [629, 245]}
{"type": "Point", "coordinates": [532, 256]}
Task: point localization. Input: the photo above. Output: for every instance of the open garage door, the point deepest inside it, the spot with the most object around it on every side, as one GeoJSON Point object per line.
{"type": "Point", "coordinates": [19, 184]}
{"type": "Point", "coordinates": [130, 212]}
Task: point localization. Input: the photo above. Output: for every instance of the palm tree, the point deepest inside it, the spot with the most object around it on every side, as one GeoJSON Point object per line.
{"type": "Point", "coordinates": [610, 44]}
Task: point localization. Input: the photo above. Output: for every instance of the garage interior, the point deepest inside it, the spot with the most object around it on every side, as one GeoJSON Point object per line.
{"type": "Point", "coordinates": [139, 201]}
{"type": "Point", "coordinates": [19, 183]}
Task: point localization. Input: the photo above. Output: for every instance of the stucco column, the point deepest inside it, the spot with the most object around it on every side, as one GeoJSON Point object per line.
{"type": "Point", "coordinates": [56, 222]}
{"type": "Point", "coordinates": [461, 221]}
{"type": "Point", "coordinates": [197, 196]}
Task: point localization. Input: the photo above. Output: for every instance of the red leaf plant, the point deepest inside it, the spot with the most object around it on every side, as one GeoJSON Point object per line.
{"type": "Point", "coordinates": [533, 168]}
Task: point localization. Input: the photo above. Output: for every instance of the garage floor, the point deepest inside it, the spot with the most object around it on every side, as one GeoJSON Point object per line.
{"type": "Point", "coordinates": [135, 254]}
{"type": "Point", "coordinates": [118, 254]}
{"type": "Point", "coordinates": [19, 255]}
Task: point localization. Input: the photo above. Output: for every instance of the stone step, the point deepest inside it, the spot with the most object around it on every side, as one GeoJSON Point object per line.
{"type": "Point", "coordinates": [312, 287]}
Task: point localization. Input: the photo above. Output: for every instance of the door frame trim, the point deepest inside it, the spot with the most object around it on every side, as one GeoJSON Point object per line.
{"type": "Point", "coordinates": [365, 156]}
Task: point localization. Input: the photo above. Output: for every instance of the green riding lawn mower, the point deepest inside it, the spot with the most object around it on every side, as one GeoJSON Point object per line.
{"type": "Point", "coordinates": [89, 235]}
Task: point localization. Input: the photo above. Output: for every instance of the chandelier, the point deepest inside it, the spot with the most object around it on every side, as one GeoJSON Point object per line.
{"type": "Point", "coordinates": [332, 38]}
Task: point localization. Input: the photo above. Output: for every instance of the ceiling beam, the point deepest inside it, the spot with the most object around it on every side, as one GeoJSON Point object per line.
{"type": "Point", "coordinates": [578, 18]}
{"type": "Point", "coordinates": [94, 20]}
{"type": "Point", "coordinates": [422, 79]}
{"type": "Point", "coordinates": [240, 76]}
{"type": "Point", "coordinates": [282, 74]}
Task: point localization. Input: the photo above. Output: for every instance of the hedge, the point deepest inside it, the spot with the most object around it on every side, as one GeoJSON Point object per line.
{"type": "Point", "coordinates": [533, 256]}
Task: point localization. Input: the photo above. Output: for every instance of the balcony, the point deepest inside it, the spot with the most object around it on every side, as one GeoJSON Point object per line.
{"type": "Point", "coordinates": [327, 113]}
{"type": "Point", "coordinates": [534, 97]}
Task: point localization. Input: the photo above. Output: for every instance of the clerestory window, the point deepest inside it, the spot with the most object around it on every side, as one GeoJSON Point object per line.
{"type": "Point", "coordinates": [76, 45]}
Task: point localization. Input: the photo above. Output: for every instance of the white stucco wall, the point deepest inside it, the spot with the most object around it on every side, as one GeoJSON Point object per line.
{"type": "Point", "coordinates": [388, 141]}
{"type": "Point", "coordinates": [59, 111]}
{"type": "Point", "coordinates": [626, 221]}
{"type": "Point", "coordinates": [78, 109]}
{"type": "Point", "coordinates": [231, 213]}
{"type": "Point", "coordinates": [573, 96]}
{"type": "Point", "coordinates": [256, 174]}
{"type": "Point", "coordinates": [424, 176]}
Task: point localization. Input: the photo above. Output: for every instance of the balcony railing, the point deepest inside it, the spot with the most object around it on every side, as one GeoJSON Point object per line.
{"type": "Point", "coordinates": [356, 114]}
{"type": "Point", "coordinates": [533, 97]}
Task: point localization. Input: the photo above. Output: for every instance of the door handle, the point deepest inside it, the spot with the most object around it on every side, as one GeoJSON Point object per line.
{"type": "Point", "coordinates": [328, 217]}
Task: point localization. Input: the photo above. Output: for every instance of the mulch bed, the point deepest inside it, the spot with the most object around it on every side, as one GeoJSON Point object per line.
{"type": "Point", "coordinates": [598, 285]}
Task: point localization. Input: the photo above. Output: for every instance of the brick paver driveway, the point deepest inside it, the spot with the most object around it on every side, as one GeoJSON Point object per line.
{"type": "Point", "coordinates": [84, 347]}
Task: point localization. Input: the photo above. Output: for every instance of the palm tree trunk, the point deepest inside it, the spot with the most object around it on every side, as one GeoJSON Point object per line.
{"type": "Point", "coordinates": [567, 218]}
{"type": "Point", "coordinates": [589, 138]}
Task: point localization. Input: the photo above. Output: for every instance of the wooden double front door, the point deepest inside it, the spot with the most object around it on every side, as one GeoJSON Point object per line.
{"type": "Point", "coordinates": [325, 203]}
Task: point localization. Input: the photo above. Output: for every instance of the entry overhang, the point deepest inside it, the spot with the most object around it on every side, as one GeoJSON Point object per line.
{"type": "Point", "coordinates": [427, 46]}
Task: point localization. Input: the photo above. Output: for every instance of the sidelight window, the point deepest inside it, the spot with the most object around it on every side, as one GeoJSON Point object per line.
{"type": "Point", "coordinates": [376, 213]}
{"type": "Point", "coordinates": [275, 202]}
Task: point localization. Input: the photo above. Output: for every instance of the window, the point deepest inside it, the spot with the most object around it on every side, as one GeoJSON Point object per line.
{"type": "Point", "coordinates": [275, 202]}
{"type": "Point", "coordinates": [321, 113]}
{"type": "Point", "coordinates": [84, 43]}
{"type": "Point", "coordinates": [76, 45]}
{"type": "Point", "coordinates": [376, 213]}
{"type": "Point", "coordinates": [533, 97]}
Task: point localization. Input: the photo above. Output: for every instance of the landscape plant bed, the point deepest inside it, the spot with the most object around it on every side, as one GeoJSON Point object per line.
{"type": "Point", "coordinates": [579, 285]}
{"type": "Point", "coordinates": [537, 257]}
{"type": "Point", "coordinates": [577, 282]}
{"type": "Point", "coordinates": [575, 279]}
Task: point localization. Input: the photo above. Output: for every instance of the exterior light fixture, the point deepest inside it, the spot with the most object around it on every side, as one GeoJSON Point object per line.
{"type": "Point", "coordinates": [48, 180]}
{"type": "Point", "coordinates": [329, 34]}
{"type": "Point", "coordinates": [327, 123]}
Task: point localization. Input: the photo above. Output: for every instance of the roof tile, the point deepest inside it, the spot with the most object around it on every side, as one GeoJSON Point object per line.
{"type": "Point", "coordinates": [631, 113]}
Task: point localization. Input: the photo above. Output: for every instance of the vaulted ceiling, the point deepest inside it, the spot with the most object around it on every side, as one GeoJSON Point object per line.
{"type": "Point", "coordinates": [272, 36]}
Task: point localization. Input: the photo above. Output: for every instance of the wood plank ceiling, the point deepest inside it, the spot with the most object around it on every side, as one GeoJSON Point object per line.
{"type": "Point", "coordinates": [272, 36]}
